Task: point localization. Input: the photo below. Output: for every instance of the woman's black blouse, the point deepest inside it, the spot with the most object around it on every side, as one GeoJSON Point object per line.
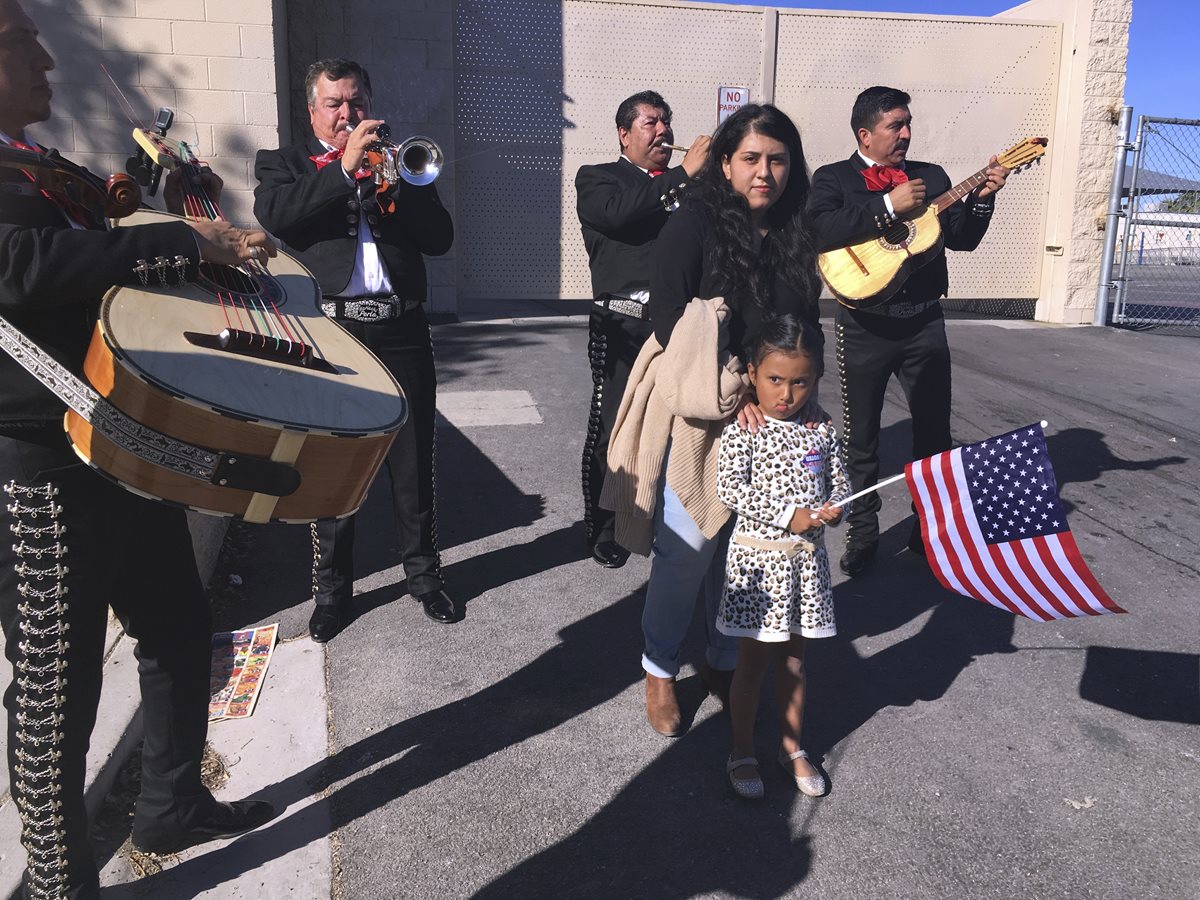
{"type": "Point", "coordinates": [683, 269]}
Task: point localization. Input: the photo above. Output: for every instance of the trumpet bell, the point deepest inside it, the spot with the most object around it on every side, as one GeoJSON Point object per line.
{"type": "Point", "coordinates": [420, 160]}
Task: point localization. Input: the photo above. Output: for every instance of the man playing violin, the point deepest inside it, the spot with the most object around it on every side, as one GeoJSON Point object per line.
{"type": "Point", "coordinates": [317, 197]}
{"type": "Point", "coordinates": [858, 199]}
{"type": "Point", "coordinates": [80, 543]}
{"type": "Point", "coordinates": [622, 206]}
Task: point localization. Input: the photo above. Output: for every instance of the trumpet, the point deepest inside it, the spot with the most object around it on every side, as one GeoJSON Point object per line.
{"type": "Point", "coordinates": [681, 149]}
{"type": "Point", "coordinates": [417, 160]}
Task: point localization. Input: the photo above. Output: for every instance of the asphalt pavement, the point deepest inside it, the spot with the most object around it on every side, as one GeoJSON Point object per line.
{"type": "Point", "coordinates": [972, 754]}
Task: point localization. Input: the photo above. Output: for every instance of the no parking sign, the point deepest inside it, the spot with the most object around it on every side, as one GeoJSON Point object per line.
{"type": "Point", "coordinates": [729, 100]}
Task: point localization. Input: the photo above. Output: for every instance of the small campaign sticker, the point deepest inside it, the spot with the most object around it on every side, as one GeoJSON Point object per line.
{"type": "Point", "coordinates": [812, 459]}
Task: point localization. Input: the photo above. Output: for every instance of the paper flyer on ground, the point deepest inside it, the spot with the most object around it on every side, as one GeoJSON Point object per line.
{"type": "Point", "coordinates": [239, 665]}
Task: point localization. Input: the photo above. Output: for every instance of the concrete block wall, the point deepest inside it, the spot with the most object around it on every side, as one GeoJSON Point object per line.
{"type": "Point", "coordinates": [212, 61]}
{"type": "Point", "coordinates": [1094, 54]}
{"type": "Point", "coordinates": [407, 47]}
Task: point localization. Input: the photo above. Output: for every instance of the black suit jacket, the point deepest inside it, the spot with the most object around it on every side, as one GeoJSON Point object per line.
{"type": "Point", "coordinates": [51, 280]}
{"type": "Point", "coordinates": [844, 211]}
{"type": "Point", "coordinates": [316, 215]}
{"type": "Point", "coordinates": [621, 212]}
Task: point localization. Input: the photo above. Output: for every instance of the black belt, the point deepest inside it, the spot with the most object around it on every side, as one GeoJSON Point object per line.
{"type": "Point", "coordinates": [898, 307]}
{"type": "Point", "coordinates": [625, 305]}
{"type": "Point", "coordinates": [368, 309]}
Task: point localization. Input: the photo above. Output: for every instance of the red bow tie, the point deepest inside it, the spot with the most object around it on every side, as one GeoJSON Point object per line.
{"type": "Point", "coordinates": [332, 156]}
{"type": "Point", "coordinates": [883, 178]}
{"type": "Point", "coordinates": [657, 172]}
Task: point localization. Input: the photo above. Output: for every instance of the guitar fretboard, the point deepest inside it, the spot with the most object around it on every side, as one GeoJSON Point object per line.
{"type": "Point", "coordinates": [960, 190]}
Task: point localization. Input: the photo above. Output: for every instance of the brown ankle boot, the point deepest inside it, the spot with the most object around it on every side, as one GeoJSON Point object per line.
{"type": "Point", "coordinates": [662, 709]}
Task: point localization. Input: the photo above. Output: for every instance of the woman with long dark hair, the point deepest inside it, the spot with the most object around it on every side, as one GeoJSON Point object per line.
{"type": "Point", "coordinates": [741, 234]}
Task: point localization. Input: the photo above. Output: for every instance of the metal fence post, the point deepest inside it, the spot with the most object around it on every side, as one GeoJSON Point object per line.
{"type": "Point", "coordinates": [1114, 213]}
{"type": "Point", "coordinates": [1139, 145]}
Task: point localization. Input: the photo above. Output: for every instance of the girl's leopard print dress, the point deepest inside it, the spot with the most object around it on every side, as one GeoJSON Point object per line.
{"type": "Point", "coordinates": [777, 583]}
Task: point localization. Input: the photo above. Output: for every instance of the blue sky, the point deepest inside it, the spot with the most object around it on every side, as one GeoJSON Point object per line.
{"type": "Point", "coordinates": [1164, 43]}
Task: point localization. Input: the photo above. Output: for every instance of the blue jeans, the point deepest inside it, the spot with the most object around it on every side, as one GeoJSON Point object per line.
{"type": "Point", "coordinates": [685, 567]}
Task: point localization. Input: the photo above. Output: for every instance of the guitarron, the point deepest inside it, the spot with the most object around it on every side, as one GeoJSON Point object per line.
{"type": "Point", "coordinates": [233, 394]}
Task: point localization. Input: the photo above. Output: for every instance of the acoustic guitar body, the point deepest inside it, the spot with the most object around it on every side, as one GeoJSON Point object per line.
{"type": "Point", "coordinates": [869, 273]}
{"type": "Point", "coordinates": [156, 356]}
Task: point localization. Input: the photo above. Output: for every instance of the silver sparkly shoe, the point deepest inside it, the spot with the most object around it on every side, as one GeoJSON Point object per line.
{"type": "Point", "coordinates": [749, 788]}
{"type": "Point", "coordinates": [809, 785]}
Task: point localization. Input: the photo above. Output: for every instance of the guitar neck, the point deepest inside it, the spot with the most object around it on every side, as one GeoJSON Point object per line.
{"type": "Point", "coordinates": [942, 202]}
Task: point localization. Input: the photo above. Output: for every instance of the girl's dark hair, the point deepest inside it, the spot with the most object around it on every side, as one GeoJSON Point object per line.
{"type": "Point", "coordinates": [788, 333]}
{"type": "Point", "coordinates": [791, 254]}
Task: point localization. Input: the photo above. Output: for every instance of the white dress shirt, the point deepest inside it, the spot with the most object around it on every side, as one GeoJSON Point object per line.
{"type": "Point", "coordinates": [370, 275]}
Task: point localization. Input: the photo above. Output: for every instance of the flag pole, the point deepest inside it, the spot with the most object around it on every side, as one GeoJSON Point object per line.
{"type": "Point", "coordinates": [879, 484]}
{"type": "Point", "coordinates": [876, 486]}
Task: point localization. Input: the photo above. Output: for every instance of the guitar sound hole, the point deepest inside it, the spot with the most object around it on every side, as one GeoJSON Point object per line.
{"type": "Point", "coordinates": [897, 235]}
{"type": "Point", "coordinates": [228, 280]}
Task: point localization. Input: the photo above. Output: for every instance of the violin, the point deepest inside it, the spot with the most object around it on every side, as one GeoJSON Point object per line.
{"type": "Point", "coordinates": [115, 198]}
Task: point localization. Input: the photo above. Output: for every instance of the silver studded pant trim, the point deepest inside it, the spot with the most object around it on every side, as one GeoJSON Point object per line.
{"type": "Point", "coordinates": [597, 356]}
{"type": "Point", "coordinates": [41, 682]}
{"type": "Point", "coordinates": [316, 560]}
{"type": "Point", "coordinates": [433, 479]}
{"type": "Point", "coordinates": [840, 338]}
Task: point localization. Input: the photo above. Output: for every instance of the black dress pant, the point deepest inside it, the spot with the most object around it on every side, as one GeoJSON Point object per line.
{"type": "Point", "coordinates": [871, 348]}
{"type": "Point", "coordinates": [405, 347]}
{"type": "Point", "coordinates": [614, 341]}
{"type": "Point", "coordinates": [74, 545]}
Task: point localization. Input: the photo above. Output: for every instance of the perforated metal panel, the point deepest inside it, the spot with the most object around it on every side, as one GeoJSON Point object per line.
{"type": "Point", "coordinates": [977, 86]}
{"type": "Point", "coordinates": [538, 86]}
{"type": "Point", "coordinates": [538, 83]}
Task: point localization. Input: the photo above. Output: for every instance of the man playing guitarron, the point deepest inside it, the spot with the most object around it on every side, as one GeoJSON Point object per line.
{"type": "Point", "coordinates": [75, 543]}
{"type": "Point", "coordinates": [858, 199]}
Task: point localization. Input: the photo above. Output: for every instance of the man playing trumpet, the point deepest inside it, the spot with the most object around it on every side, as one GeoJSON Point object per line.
{"type": "Point", "coordinates": [317, 199]}
{"type": "Point", "coordinates": [622, 206]}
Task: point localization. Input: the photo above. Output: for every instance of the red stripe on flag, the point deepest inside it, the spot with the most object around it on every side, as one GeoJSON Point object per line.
{"type": "Point", "coordinates": [968, 540]}
{"type": "Point", "coordinates": [916, 481]}
{"type": "Point", "coordinates": [923, 521]}
{"type": "Point", "coordinates": [1031, 602]}
{"type": "Point", "coordinates": [1071, 549]}
{"type": "Point", "coordinates": [948, 554]}
{"type": "Point", "coordinates": [1065, 578]}
{"type": "Point", "coordinates": [1049, 593]}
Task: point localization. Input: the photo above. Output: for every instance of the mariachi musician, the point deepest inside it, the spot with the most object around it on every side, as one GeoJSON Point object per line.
{"type": "Point", "coordinates": [858, 199]}
{"type": "Point", "coordinates": [622, 207]}
{"type": "Point", "coordinates": [365, 246]}
{"type": "Point", "coordinates": [80, 543]}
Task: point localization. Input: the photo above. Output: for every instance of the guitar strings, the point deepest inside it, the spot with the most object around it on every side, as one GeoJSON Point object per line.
{"type": "Point", "coordinates": [262, 313]}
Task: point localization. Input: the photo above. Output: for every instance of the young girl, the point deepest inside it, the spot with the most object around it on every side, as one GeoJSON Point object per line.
{"type": "Point", "coordinates": [781, 482]}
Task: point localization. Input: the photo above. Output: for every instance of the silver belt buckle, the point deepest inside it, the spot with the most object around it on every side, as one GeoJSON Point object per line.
{"type": "Point", "coordinates": [369, 310]}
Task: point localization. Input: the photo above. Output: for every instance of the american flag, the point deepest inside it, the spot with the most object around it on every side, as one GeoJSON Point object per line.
{"type": "Point", "coordinates": [995, 530]}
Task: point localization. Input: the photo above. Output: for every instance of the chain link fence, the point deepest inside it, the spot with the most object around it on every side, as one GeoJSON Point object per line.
{"type": "Point", "coordinates": [1158, 251]}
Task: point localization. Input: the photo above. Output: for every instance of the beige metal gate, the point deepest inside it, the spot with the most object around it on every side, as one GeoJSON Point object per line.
{"type": "Point", "coordinates": [538, 82]}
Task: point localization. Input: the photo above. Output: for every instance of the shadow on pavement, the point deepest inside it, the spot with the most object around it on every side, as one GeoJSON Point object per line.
{"type": "Point", "coordinates": [566, 681]}
{"type": "Point", "coordinates": [712, 842]}
{"type": "Point", "coordinates": [1148, 684]}
{"type": "Point", "coordinates": [1083, 455]}
{"type": "Point", "coordinates": [677, 831]}
{"type": "Point", "coordinates": [479, 500]}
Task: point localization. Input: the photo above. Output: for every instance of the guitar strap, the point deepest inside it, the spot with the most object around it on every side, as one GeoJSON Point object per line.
{"type": "Point", "coordinates": [236, 471]}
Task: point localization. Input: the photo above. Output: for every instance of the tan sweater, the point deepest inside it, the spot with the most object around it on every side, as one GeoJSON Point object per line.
{"type": "Point", "coordinates": [685, 393]}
